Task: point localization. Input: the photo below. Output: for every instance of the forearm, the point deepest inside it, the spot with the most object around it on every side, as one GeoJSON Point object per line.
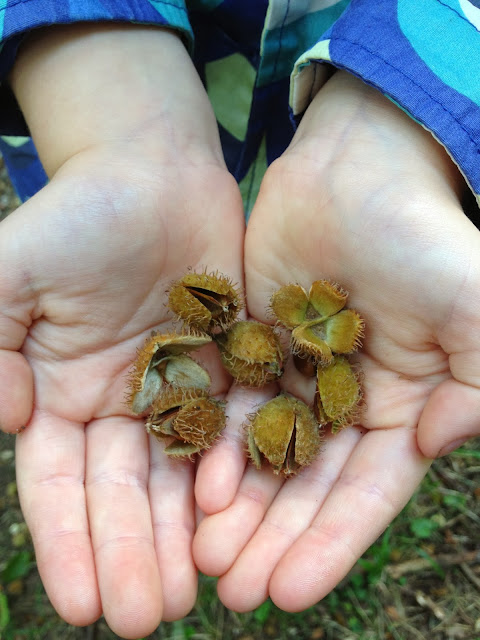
{"type": "Point", "coordinates": [85, 85]}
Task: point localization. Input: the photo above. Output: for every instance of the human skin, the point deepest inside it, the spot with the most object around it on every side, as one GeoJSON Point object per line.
{"type": "Point", "coordinates": [364, 197]}
{"type": "Point", "coordinates": [138, 193]}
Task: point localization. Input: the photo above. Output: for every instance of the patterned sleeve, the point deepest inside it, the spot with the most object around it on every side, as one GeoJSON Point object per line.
{"type": "Point", "coordinates": [422, 54]}
{"type": "Point", "coordinates": [19, 17]}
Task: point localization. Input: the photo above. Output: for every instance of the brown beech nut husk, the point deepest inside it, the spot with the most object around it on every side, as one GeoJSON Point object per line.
{"type": "Point", "coordinates": [338, 398]}
{"type": "Point", "coordinates": [320, 338]}
{"type": "Point", "coordinates": [289, 305]}
{"type": "Point", "coordinates": [163, 360]}
{"type": "Point", "coordinates": [284, 432]}
{"type": "Point", "coordinates": [251, 352]}
{"type": "Point", "coordinates": [319, 323]}
{"type": "Point", "coordinates": [292, 305]}
{"type": "Point", "coordinates": [209, 302]}
{"type": "Point", "coordinates": [190, 417]}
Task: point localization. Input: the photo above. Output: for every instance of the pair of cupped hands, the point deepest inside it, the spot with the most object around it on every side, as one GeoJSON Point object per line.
{"type": "Point", "coordinates": [363, 196]}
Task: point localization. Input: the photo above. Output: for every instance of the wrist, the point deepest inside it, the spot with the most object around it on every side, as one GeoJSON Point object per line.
{"type": "Point", "coordinates": [83, 86]}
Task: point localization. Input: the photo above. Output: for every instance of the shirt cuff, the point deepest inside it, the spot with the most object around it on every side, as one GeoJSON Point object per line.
{"type": "Point", "coordinates": [420, 55]}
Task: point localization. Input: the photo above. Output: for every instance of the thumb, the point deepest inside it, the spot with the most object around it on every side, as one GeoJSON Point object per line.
{"type": "Point", "coordinates": [16, 310]}
{"type": "Point", "coordinates": [450, 418]}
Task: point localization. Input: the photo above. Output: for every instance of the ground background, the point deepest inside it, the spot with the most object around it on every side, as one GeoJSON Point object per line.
{"type": "Point", "coordinates": [421, 580]}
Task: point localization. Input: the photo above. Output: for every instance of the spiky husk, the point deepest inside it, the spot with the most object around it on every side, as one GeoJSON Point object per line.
{"type": "Point", "coordinates": [200, 422]}
{"type": "Point", "coordinates": [339, 394]}
{"type": "Point", "coordinates": [326, 298]}
{"type": "Point", "coordinates": [208, 302]}
{"type": "Point", "coordinates": [344, 331]}
{"type": "Point", "coordinates": [181, 450]}
{"type": "Point", "coordinates": [309, 341]}
{"type": "Point", "coordinates": [253, 451]}
{"type": "Point", "coordinates": [284, 431]}
{"type": "Point", "coordinates": [272, 428]}
{"type": "Point", "coordinates": [145, 382]}
{"type": "Point", "coordinates": [188, 308]}
{"type": "Point", "coordinates": [308, 438]}
{"type": "Point", "coordinates": [141, 396]}
{"type": "Point", "coordinates": [167, 405]}
{"type": "Point", "coordinates": [190, 416]}
{"type": "Point", "coordinates": [250, 375]}
{"type": "Point", "coordinates": [251, 352]}
{"type": "Point", "coordinates": [289, 305]}
{"type": "Point", "coordinates": [320, 339]}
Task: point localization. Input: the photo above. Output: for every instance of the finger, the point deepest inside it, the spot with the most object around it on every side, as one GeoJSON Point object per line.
{"type": "Point", "coordinates": [16, 391]}
{"type": "Point", "coordinates": [222, 536]}
{"type": "Point", "coordinates": [173, 516]}
{"type": "Point", "coordinates": [121, 525]}
{"type": "Point", "coordinates": [245, 586]}
{"type": "Point", "coordinates": [16, 308]}
{"type": "Point", "coordinates": [380, 477]}
{"type": "Point", "coordinates": [50, 476]}
{"type": "Point", "coordinates": [451, 416]}
{"type": "Point", "coordinates": [221, 468]}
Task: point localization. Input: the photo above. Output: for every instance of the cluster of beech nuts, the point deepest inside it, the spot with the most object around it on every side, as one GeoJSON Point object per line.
{"type": "Point", "coordinates": [172, 387]}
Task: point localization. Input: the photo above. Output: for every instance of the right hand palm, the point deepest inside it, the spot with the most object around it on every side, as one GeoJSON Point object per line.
{"type": "Point", "coordinates": [363, 197]}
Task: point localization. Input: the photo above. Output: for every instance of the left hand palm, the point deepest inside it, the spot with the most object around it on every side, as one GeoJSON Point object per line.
{"type": "Point", "coordinates": [366, 198]}
{"type": "Point", "coordinates": [112, 518]}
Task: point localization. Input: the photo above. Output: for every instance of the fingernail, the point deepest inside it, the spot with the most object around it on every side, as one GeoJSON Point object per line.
{"type": "Point", "coordinates": [451, 447]}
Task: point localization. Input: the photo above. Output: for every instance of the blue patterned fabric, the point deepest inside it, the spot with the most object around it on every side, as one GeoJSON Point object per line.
{"type": "Point", "coordinates": [263, 61]}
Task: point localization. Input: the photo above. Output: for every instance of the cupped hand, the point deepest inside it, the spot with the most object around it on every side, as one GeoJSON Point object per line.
{"type": "Point", "coordinates": [139, 193]}
{"type": "Point", "coordinates": [85, 265]}
{"type": "Point", "coordinates": [366, 198]}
